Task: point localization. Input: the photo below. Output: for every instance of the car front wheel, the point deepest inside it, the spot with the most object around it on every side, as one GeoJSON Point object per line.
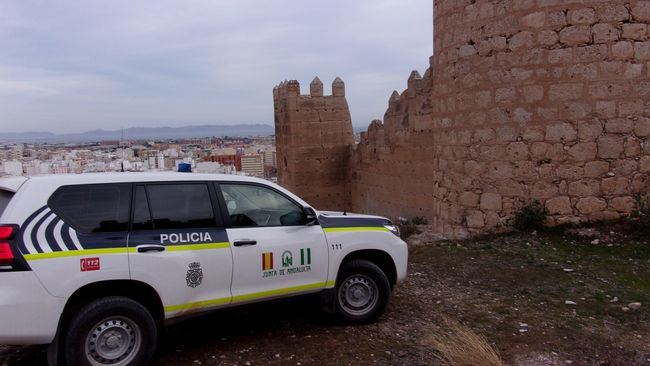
{"type": "Point", "coordinates": [362, 292]}
{"type": "Point", "coordinates": [114, 331]}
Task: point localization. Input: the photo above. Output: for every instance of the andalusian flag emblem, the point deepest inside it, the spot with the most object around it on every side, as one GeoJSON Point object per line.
{"type": "Point", "coordinates": [267, 261]}
{"type": "Point", "coordinates": [305, 256]}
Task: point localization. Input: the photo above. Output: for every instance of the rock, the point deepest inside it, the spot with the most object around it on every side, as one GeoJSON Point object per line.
{"type": "Point", "coordinates": [569, 302]}
{"type": "Point", "coordinates": [595, 241]}
{"type": "Point", "coordinates": [615, 299]}
{"type": "Point", "coordinates": [625, 309]}
{"type": "Point", "coordinates": [634, 305]}
{"type": "Point", "coordinates": [568, 269]}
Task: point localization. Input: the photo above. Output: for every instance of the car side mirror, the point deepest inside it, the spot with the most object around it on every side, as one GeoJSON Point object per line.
{"type": "Point", "coordinates": [310, 216]}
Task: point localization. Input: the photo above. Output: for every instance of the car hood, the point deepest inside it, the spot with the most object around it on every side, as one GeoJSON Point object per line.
{"type": "Point", "coordinates": [329, 219]}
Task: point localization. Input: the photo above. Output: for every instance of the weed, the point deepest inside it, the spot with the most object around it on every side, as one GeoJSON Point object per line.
{"type": "Point", "coordinates": [531, 217]}
{"type": "Point", "coordinates": [462, 347]}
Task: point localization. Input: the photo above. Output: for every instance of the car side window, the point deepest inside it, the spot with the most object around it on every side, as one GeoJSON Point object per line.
{"type": "Point", "coordinates": [93, 208]}
{"type": "Point", "coordinates": [180, 206]}
{"type": "Point", "coordinates": [253, 205]}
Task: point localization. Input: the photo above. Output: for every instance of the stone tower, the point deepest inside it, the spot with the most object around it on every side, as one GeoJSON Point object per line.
{"type": "Point", "coordinates": [314, 139]}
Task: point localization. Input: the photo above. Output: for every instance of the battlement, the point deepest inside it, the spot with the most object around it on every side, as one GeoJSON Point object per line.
{"type": "Point", "coordinates": [291, 89]}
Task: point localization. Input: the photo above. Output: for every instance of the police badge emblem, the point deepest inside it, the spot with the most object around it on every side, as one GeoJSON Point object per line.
{"type": "Point", "coordinates": [194, 275]}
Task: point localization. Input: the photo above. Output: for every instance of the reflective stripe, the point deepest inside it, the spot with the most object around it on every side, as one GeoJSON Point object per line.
{"type": "Point", "coordinates": [330, 284]}
{"type": "Point", "coordinates": [77, 253]}
{"type": "Point", "coordinates": [246, 297]}
{"type": "Point", "coordinates": [359, 228]}
{"type": "Point", "coordinates": [85, 252]}
{"type": "Point", "coordinates": [204, 246]}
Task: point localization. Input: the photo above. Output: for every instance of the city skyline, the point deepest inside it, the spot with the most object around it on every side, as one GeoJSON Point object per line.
{"type": "Point", "coordinates": [169, 64]}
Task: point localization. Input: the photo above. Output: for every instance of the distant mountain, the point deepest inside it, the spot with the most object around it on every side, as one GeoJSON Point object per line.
{"type": "Point", "coordinates": [142, 133]}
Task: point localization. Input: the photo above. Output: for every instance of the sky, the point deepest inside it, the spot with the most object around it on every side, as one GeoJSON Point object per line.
{"type": "Point", "coordinates": [78, 65]}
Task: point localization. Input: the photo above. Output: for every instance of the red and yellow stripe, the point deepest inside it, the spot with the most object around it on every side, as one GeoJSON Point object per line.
{"type": "Point", "coordinates": [267, 261]}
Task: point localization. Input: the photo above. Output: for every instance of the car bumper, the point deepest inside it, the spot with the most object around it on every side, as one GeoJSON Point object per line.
{"type": "Point", "coordinates": [28, 313]}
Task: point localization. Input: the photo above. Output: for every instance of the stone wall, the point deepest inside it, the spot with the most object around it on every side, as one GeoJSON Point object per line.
{"type": "Point", "coordinates": [525, 100]}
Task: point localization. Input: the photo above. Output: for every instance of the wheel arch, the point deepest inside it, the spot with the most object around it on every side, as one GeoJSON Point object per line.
{"type": "Point", "coordinates": [135, 290]}
{"type": "Point", "coordinates": [379, 257]}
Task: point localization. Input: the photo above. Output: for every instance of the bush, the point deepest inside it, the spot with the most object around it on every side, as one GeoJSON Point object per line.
{"type": "Point", "coordinates": [408, 228]}
{"type": "Point", "coordinates": [419, 220]}
{"type": "Point", "coordinates": [531, 217]}
{"type": "Point", "coordinates": [642, 216]}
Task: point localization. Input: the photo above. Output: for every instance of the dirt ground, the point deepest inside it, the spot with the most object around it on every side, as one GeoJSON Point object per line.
{"type": "Point", "coordinates": [547, 299]}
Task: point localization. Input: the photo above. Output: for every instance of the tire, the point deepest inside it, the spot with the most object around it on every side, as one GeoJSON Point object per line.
{"type": "Point", "coordinates": [362, 292]}
{"type": "Point", "coordinates": [113, 331]}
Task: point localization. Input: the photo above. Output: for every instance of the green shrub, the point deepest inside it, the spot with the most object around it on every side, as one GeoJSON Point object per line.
{"type": "Point", "coordinates": [642, 216]}
{"type": "Point", "coordinates": [419, 220]}
{"type": "Point", "coordinates": [408, 228]}
{"type": "Point", "coordinates": [530, 217]}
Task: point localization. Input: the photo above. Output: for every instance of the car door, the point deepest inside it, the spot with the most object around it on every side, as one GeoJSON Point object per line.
{"type": "Point", "coordinates": [275, 252]}
{"type": "Point", "coordinates": [178, 245]}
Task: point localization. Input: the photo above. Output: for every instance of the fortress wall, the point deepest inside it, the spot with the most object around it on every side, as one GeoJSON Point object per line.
{"type": "Point", "coordinates": [525, 100]}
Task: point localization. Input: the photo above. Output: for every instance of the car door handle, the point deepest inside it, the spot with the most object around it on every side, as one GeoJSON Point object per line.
{"type": "Point", "coordinates": [244, 243]}
{"type": "Point", "coordinates": [150, 248]}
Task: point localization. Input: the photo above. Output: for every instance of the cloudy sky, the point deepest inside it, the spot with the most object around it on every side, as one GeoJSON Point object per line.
{"type": "Point", "coordinates": [76, 65]}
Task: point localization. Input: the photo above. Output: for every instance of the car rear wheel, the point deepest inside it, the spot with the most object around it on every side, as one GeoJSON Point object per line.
{"type": "Point", "coordinates": [114, 331]}
{"type": "Point", "coordinates": [362, 292]}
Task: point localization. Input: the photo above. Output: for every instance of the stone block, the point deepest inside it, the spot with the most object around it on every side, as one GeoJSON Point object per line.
{"type": "Point", "coordinates": [604, 33]}
{"type": "Point", "coordinates": [596, 169]}
{"type": "Point", "coordinates": [642, 127]}
{"type": "Point", "coordinates": [624, 205]}
{"type": "Point", "coordinates": [561, 132]}
{"type": "Point", "coordinates": [590, 130]}
{"type": "Point", "coordinates": [584, 188]}
{"type": "Point", "coordinates": [635, 31]}
{"type": "Point", "coordinates": [517, 151]}
{"type": "Point", "coordinates": [582, 16]}
{"type": "Point", "coordinates": [491, 201]}
{"type": "Point", "coordinates": [474, 219]}
{"type": "Point", "coordinates": [591, 205]}
{"type": "Point", "coordinates": [576, 35]}
{"type": "Point", "coordinates": [641, 11]}
{"type": "Point", "coordinates": [547, 37]}
{"type": "Point", "coordinates": [468, 199]}
{"type": "Point", "coordinates": [644, 164]}
{"type": "Point", "coordinates": [614, 186]}
{"type": "Point", "coordinates": [564, 92]}
{"type": "Point", "coordinates": [610, 146]}
{"type": "Point", "coordinates": [583, 151]}
{"type": "Point", "coordinates": [642, 50]}
{"type": "Point", "coordinates": [559, 206]}
{"type": "Point", "coordinates": [534, 20]}
{"type": "Point", "coordinates": [623, 50]}
{"type": "Point", "coordinates": [619, 125]}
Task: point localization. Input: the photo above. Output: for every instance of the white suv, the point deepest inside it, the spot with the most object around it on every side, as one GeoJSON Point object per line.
{"type": "Point", "coordinates": [91, 264]}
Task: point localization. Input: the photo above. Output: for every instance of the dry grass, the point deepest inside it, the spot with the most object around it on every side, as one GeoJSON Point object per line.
{"type": "Point", "coordinates": [460, 346]}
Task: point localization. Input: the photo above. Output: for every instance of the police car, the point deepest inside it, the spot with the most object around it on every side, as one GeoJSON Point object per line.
{"type": "Point", "coordinates": [92, 264]}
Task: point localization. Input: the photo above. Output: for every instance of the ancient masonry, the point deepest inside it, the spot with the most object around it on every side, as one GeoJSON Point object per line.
{"type": "Point", "coordinates": [525, 100]}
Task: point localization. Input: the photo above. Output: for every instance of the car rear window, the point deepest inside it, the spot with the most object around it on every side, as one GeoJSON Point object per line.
{"type": "Point", "coordinates": [175, 206]}
{"type": "Point", "coordinates": [93, 208]}
{"type": "Point", "coordinates": [5, 197]}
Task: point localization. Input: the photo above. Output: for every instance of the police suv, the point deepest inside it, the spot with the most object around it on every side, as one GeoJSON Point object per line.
{"type": "Point", "coordinates": [92, 264]}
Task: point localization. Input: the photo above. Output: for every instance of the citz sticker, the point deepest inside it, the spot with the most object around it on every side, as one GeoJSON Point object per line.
{"type": "Point", "coordinates": [194, 276]}
{"type": "Point", "coordinates": [288, 267]}
{"type": "Point", "coordinates": [89, 264]}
